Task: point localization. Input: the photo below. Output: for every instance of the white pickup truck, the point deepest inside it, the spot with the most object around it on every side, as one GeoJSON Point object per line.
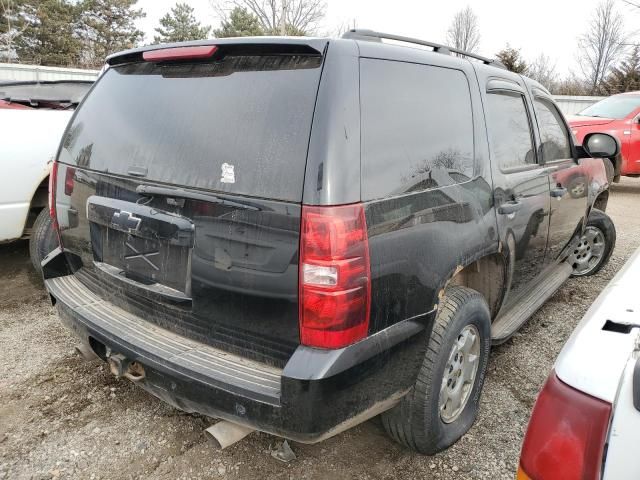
{"type": "Point", "coordinates": [586, 421]}
{"type": "Point", "coordinates": [33, 117]}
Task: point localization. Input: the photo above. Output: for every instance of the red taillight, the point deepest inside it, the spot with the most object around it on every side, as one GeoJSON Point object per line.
{"type": "Point", "coordinates": [53, 177]}
{"type": "Point", "coordinates": [53, 180]}
{"type": "Point", "coordinates": [68, 181]}
{"type": "Point", "coordinates": [179, 53]}
{"type": "Point", "coordinates": [566, 435]}
{"type": "Point", "coordinates": [335, 277]}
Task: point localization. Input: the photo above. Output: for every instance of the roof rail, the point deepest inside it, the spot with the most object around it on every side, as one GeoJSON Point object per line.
{"type": "Point", "coordinates": [370, 35]}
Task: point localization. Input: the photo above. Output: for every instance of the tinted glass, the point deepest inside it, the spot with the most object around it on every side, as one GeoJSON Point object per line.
{"type": "Point", "coordinates": [618, 107]}
{"type": "Point", "coordinates": [239, 125]}
{"type": "Point", "coordinates": [509, 130]}
{"type": "Point", "coordinates": [417, 127]}
{"type": "Point", "coordinates": [553, 134]}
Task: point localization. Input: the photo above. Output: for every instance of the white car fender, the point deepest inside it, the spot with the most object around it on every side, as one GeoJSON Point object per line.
{"type": "Point", "coordinates": [30, 143]}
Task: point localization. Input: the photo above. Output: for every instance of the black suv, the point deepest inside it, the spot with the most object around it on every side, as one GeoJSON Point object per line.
{"type": "Point", "coordinates": [296, 235]}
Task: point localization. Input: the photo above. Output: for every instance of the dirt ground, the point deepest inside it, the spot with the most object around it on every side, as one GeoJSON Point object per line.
{"type": "Point", "coordinates": [61, 417]}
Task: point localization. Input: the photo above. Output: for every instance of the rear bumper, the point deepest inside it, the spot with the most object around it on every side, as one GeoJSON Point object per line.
{"type": "Point", "coordinates": [318, 394]}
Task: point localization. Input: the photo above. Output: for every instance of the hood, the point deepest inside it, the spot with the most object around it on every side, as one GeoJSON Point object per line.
{"type": "Point", "coordinates": [583, 121]}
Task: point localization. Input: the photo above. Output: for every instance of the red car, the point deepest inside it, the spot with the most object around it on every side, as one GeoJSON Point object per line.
{"type": "Point", "coordinates": [618, 115]}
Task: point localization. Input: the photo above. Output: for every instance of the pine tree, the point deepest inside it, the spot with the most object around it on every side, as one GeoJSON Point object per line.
{"type": "Point", "coordinates": [180, 25]}
{"type": "Point", "coordinates": [241, 23]}
{"type": "Point", "coordinates": [107, 26]}
{"type": "Point", "coordinates": [44, 32]}
{"type": "Point", "coordinates": [512, 59]}
{"type": "Point", "coordinates": [626, 77]}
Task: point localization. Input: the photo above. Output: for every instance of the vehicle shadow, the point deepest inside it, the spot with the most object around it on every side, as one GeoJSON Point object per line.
{"type": "Point", "coordinates": [17, 275]}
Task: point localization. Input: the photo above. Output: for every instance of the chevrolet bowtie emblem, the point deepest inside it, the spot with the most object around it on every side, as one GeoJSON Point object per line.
{"type": "Point", "coordinates": [126, 221]}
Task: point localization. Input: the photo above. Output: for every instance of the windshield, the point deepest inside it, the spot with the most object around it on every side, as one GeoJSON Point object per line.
{"type": "Point", "coordinates": [613, 107]}
{"type": "Point", "coordinates": [240, 125]}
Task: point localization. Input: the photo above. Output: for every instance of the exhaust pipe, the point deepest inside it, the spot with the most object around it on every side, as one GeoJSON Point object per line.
{"type": "Point", "coordinates": [86, 352]}
{"type": "Point", "coordinates": [225, 433]}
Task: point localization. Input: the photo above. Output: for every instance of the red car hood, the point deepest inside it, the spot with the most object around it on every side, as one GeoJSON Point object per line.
{"type": "Point", "coordinates": [581, 121]}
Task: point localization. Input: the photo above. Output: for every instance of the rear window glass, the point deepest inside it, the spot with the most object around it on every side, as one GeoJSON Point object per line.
{"type": "Point", "coordinates": [509, 130]}
{"type": "Point", "coordinates": [239, 125]}
{"type": "Point", "coordinates": [417, 127]}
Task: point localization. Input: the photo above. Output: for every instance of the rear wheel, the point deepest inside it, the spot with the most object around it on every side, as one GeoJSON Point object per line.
{"type": "Point", "coordinates": [595, 246]}
{"type": "Point", "coordinates": [443, 403]}
{"type": "Point", "coordinates": [43, 239]}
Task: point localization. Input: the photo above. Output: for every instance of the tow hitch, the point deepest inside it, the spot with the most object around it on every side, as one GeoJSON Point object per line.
{"type": "Point", "coordinates": [121, 366]}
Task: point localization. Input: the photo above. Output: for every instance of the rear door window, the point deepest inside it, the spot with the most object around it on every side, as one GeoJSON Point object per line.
{"type": "Point", "coordinates": [510, 135]}
{"type": "Point", "coordinates": [238, 125]}
{"type": "Point", "coordinates": [553, 133]}
{"type": "Point", "coordinates": [417, 127]}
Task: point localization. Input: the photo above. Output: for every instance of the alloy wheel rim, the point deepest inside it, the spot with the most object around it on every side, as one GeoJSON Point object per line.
{"type": "Point", "coordinates": [460, 374]}
{"type": "Point", "coordinates": [586, 256]}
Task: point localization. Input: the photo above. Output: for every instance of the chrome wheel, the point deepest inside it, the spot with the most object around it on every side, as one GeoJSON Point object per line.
{"type": "Point", "coordinates": [460, 374]}
{"type": "Point", "coordinates": [587, 254]}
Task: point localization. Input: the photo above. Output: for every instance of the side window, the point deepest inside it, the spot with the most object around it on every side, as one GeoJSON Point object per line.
{"type": "Point", "coordinates": [417, 127]}
{"type": "Point", "coordinates": [509, 130]}
{"type": "Point", "coordinates": [554, 135]}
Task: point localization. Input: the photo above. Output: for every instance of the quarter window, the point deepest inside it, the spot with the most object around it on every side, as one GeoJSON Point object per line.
{"type": "Point", "coordinates": [553, 134]}
{"type": "Point", "coordinates": [417, 127]}
{"type": "Point", "coordinates": [509, 130]}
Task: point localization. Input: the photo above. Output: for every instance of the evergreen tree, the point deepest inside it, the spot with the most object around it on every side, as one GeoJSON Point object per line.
{"type": "Point", "coordinates": [42, 32]}
{"type": "Point", "coordinates": [107, 26]}
{"type": "Point", "coordinates": [241, 23]}
{"type": "Point", "coordinates": [626, 77]}
{"type": "Point", "coordinates": [512, 59]}
{"type": "Point", "coordinates": [180, 25]}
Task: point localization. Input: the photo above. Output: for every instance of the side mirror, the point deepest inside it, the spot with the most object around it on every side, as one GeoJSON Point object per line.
{"type": "Point", "coordinates": [600, 145]}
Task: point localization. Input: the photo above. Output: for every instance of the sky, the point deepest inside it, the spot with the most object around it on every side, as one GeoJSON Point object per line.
{"type": "Point", "coordinates": [551, 27]}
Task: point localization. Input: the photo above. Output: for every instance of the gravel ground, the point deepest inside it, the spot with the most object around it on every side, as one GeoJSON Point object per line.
{"type": "Point", "coordinates": [61, 417]}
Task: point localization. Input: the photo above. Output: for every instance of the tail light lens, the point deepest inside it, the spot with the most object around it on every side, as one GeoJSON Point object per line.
{"type": "Point", "coordinates": [335, 277]}
{"type": "Point", "coordinates": [566, 435]}
{"type": "Point", "coordinates": [68, 181]}
{"type": "Point", "coordinates": [53, 177]}
{"type": "Point", "coordinates": [53, 180]}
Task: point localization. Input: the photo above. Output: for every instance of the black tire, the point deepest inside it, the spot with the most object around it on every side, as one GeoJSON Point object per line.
{"type": "Point", "coordinates": [43, 239]}
{"type": "Point", "coordinates": [416, 422]}
{"type": "Point", "coordinates": [600, 221]}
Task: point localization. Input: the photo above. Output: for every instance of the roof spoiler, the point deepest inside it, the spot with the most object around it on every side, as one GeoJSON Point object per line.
{"type": "Point", "coordinates": [236, 46]}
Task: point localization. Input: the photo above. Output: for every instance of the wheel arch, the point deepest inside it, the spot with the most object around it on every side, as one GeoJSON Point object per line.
{"type": "Point", "coordinates": [488, 275]}
{"type": "Point", "coordinates": [39, 200]}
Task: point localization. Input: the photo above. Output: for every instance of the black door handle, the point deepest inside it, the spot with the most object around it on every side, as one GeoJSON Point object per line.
{"type": "Point", "coordinates": [558, 192]}
{"type": "Point", "coordinates": [510, 207]}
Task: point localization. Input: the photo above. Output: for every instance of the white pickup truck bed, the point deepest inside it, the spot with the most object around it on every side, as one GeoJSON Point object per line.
{"type": "Point", "coordinates": [599, 359]}
{"type": "Point", "coordinates": [30, 139]}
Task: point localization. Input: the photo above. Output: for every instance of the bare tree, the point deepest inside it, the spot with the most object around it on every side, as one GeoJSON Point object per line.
{"type": "Point", "coordinates": [543, 71]}
{"type": "Point", "coordinates": [602, 45]}
{"type": "Point", "coordinates": [463, 32]}
{"type": "Point", "coordinates": [283, 17]}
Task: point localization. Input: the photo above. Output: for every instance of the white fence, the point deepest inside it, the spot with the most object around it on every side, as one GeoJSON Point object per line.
{"type": "Point", "coordinates": [570, 104]}
{"type": "Point", "coordinates": [16, 72]}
